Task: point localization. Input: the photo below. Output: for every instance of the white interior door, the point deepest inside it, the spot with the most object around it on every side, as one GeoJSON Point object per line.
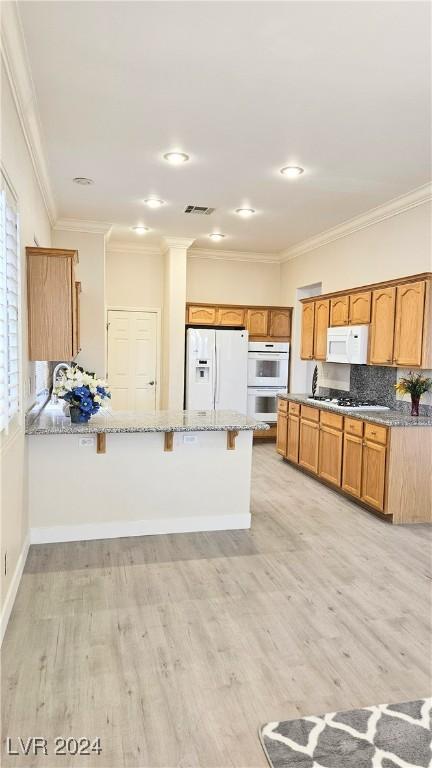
{"type": "Point", "coordinates": [132, 360]}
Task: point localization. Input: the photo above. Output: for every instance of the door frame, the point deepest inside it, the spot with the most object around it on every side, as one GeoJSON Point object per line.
{"type": "Point", "coordinates": [151, 310]}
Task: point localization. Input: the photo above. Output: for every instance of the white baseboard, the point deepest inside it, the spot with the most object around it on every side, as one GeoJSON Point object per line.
{"type": "Point", "coordinates": [116, 530]}
{"type": "Point", "coordinates": [13, 588]}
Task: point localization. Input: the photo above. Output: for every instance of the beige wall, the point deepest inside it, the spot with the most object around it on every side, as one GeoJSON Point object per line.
{"type": "Point", "coordinates": [232, 282]}
{"type": "Point", "coordinates": [33, 223]}
{"type": "Point", "coordinates": [392, 248]}
{"type": "Point", "coordinates": [134, 279]}
{"type": "Point", "coordinates": [91, 272]}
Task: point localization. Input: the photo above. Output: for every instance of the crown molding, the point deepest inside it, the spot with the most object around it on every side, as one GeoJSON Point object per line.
{"type": "Point", "coordinates": [16, 62]}
{"type": "Point", "coordinates": [255, 256]}
{"type": "Point", "coordinates": [83, 225]}
{"type": "Point", "coordinates": [176, 242]}
{"type": "Point", "coordinates": [393, 207]}
{"type": "Point", "coordinates": [119, 248]}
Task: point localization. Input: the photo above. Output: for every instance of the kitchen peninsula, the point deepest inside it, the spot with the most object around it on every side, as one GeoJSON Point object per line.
{"type": "Point", "coordinates": [130, 474]}
{"type": "Point", "coordinates": [381, 459]}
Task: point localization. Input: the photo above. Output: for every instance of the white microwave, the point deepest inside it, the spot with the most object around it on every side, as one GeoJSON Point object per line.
{"type": "Point", "coordinates": [347, 344]}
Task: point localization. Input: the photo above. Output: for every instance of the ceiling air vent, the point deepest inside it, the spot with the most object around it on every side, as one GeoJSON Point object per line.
{"type": "Point", "coordinates": [200, 210]}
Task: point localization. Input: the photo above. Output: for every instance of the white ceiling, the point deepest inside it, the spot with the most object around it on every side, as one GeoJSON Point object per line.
{"type": "Point", "coordinates": [340, 88]}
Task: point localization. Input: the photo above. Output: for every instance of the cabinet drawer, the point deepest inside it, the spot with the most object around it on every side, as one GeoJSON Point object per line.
{"type": "Point", "coordinates": [354, 426]}
{"type": "Point", "coordinates": [294, 409]}
{"type": "Point", "coordinates": [282, 405]}
{"type": "Point", "coordinates": [311, 414]}
{"type": "Point", "coordinates": [333, 420]}
{"type": "Point", "coordinates": [375, 433]}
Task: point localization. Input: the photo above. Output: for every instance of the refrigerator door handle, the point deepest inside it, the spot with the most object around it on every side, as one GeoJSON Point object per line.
{"type": "Point", "coordinates": [217, 395]}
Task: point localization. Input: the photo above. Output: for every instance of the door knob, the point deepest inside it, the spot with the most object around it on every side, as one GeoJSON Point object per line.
{"type": "Point", "coordinates": [151, 383]}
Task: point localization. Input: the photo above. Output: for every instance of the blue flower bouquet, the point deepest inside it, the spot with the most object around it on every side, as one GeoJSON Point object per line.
{"type": "Point", "coordinates": [83, 391]}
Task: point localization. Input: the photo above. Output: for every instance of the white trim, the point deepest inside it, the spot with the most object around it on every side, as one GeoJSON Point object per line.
{"type": "Point", "coordinates": [130, 248]}
{"type": "Point", "coordinates": [13, 588]}
{"type": "Point", "coordinates": [393, 207]}
{"type": "Point", "coordinates": [15, 57]}
{"type": "Point", "coordinates": [176, 242]}
{"type": "Point", "coordinates": [82, 225]}
{"type": "Point", "coordinates": [158, 312]}
{"type": "Point", "coordinates": [207, 253]}
{"type": "Point", "coordinates": [116, 530]}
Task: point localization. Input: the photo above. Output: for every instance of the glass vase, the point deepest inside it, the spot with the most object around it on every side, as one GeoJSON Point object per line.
{"type": "Point", "coordinates": [415, 402]}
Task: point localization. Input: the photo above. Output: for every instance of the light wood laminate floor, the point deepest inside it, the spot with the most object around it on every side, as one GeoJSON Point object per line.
{"type": "Point", "coordinates": [174, 649]}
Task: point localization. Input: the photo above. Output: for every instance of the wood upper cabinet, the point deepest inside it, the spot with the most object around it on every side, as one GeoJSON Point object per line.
{"type": "Point", "coordinates": [280, 323]}
{"type": "Point", "coordinates": [53, 304]}
{"type": "Point", "coordinates": [309, 445]}
{"type": "Point", "coordinates": [292, 448]}
{"type": "Point", "coordinates": [257, 322]}
{"type": "Point", "coordinates": [352, 464]}
{"type": "Point", "coordinates": [230, 316]}
{"type": "Point", "coordinates": [339, 310]}
{"type": "Point", "coordinates": [330, 454]}
{"type": "Point", "coordinates": [360, 308]}
{"type": "Point", "coordinates": [321, 323]}
{"type": "Point", "coordinates": [382, 327]}
{"type": "Point", "coordinates": [281, 435]}
{"type": "Point", "coordinates": [410, 301]}
{"type": "Point", "coordinates": [373, 474]}
{"type": "Point", "coordinates": [201, 315]}
{"type": "Point", "coordinates": [307, 331]}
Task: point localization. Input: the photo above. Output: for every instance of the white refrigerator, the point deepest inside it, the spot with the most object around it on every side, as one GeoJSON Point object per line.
{"type": "Point", "coordinates": [216, 370]}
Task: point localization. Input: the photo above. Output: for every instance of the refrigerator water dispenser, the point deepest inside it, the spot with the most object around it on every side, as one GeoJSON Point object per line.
{"type": "Point", "coordinates": [202, 373]}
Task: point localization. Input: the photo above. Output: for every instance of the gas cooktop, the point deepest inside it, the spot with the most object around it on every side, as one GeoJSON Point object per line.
{"type": "Point", "coordinates": [353, 403]}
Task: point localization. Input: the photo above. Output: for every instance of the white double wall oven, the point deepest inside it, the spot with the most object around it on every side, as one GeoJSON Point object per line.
{"type": "Point", "coordinates": [267, 378]}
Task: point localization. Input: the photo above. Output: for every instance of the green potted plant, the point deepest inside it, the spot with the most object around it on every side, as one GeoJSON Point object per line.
{"type": "Point", "coordinates": [415, 385]}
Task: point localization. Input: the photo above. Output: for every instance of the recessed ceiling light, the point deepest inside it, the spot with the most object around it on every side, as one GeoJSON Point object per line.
{"type": "Point", "coordinates": [83, 181]}
{"type": "Point", "coordinates": [292, 171]}
{"type": "Point", "coordinates": [140, 229]}
{"type": "Point", "coordinates": [154, 202]}
{"type": "Point", "coordinates": [176, 158]}
{"type": "Point", "coordinates": [245, 212]}
{"type": "Point", "coordinates": [216, 236]}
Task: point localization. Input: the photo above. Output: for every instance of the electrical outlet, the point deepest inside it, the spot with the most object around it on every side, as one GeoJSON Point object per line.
{"type": "Point", "coordinates": [190, 439]}
{"type": "Point", "coordinates": [86, 442]}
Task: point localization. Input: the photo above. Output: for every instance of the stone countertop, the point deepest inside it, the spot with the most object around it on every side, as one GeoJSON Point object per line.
{"type": "Point", "coordinates": [52, 420]}
{"type": "Point", "coordinates": [390, 418]}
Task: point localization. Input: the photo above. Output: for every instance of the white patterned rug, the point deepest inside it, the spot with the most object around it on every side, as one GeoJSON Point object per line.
{"type": "Point", "coordinates": [385, 736]}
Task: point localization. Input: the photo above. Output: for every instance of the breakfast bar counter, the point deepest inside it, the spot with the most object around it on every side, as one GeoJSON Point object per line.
{"type": "Point", "coordinates": [131, 474]}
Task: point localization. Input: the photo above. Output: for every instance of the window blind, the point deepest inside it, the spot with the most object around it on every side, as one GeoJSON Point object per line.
{"type": "Point", "coordinates": [9, 309]}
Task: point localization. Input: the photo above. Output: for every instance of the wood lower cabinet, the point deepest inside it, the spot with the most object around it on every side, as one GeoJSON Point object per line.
{"type": "Point", "coordinates": [321, 324]}
{"type": "Point", "coordinates": [293, 439]}
{"type": "Point", "coordinates": [373, 474]}
{"type": "Point", "coordinates": [309, 445]}
{"type": "Point", "coordinates": [280, 324]}
{"type": "Point", "coordinates": [352, 464]}
{"type": "Point", "coordinates": [53, 304]}
{"type": "Point", "coordinates": [230, 316]}
{"type": "Point", "coordinates": [281, 437]}
{"type": "Point", "coordinates": [410, 300]}
{"type": "Point", "coordinates": [386, 470]}
{"type": "Point", "coordinates": [307, 333]}
{"type": "Point", "coordinates": [339, 310]}
{"type": "Point", "coordinates": [257, 322]}
{"type": "Point", "coordinates": [330, 454]}
{"type": "Point", "coordinates": [382, 327]}
{"type": "Point", "coordinates": [360, 308]}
